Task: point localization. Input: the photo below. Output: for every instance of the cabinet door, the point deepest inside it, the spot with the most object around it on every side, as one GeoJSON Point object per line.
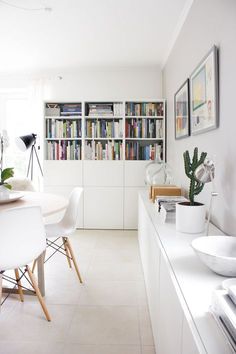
{"type": "Point", "coordinates": [103, 173]}
{"type": "Point", "coordinates": [135, 173]}
{"type": "Point", "coordinates": [188, 343]}
{"type": "Point", "coordinates": [63, 173]}
{"type": "Point", "coordinates": [150, 255]}
{"type": "Point", "coordinates": [103, 207]}
{"type": "Point", "coordinates": [170, 315]}
{"type": "Point", "coordinates": [131, 207]}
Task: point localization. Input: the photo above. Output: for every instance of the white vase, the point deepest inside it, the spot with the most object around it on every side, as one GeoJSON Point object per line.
{"type": "Point", "coordinates": [190, 218]}
{"type": "Point", "coordinates": [4, 192]}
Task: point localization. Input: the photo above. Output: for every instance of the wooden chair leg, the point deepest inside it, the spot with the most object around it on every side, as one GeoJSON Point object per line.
{"type": "Point", "coordinates": [73, 258]}
{"type": "Point", "coordinates": [68, 256]}
{"type": "Point", "coordinates": [20, 290]}
{"type": "Point", "coordinates": [41, 300]}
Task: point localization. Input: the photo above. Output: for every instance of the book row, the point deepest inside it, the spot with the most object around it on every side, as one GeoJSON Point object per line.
{"type": "Point", "coordinates": [63, 109]}
{"type": "Point", "coordinates": [104, 129]}
{"type": "Point", "coordinates": [104, 109]}
{"type": "Point", "coordinates": [63, 150]}
{"type": "Point", "coordinates": [136, 151]}
{"type": "Point", "coordinates": [103, 150]}
{"type": "Point", "coordinates": [144, 109]}
{"type": "Point", "coordinates": [63, 128]}
{"type": "Point", "coordinates": [144, 128]}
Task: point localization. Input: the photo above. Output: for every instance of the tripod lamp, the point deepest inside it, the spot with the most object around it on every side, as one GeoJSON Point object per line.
{"type": "Point", "coordinates": [24, 143]}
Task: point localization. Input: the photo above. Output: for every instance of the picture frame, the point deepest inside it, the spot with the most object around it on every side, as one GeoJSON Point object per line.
{"type": "Point", "coordinates": [181, 103]}
{"type": "Point", "coordinates": [204, 88]}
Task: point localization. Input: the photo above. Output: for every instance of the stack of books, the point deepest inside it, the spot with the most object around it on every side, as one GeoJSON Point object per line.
{"type": "Point", "coordinates": [223, 308]}
{"type": "Point", "coordinates": [166, 205]}
{"type": "Point", "coordinates": [71, 109]}
{"type": "Point", "coordinates": [148, 109]}
{"type": "Point", "coordinates": [100, 109]}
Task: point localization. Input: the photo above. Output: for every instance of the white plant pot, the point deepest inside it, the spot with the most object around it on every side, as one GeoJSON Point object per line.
{"type": "Point", "coordinates": [4, 192]}
{"type": "Point", "coordinates": [190, 218]}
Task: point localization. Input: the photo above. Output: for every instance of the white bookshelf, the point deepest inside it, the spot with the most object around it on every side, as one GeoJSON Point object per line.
{"type": "Point", "coordinates": [111, 186]}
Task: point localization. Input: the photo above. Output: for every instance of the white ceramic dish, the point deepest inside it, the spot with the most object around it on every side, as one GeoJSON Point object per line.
{"type": "Point", "coordinates": [13, 196]}
{"type": "Point", "coordinates": [218, 253]}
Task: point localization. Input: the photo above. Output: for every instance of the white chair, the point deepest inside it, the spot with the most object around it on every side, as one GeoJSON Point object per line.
{"type": "Point", "coordinates": [22, 241]}
{"type": "Point", "coordinates": [64, 228]}
{"type": "Point", "coordinates": [21, 184]}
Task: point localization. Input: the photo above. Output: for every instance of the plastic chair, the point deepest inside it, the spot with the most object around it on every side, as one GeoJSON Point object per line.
{"type": "Point", "coordinates": [22, 241]}
{"type": "Point", "coordinates": [64, 228]}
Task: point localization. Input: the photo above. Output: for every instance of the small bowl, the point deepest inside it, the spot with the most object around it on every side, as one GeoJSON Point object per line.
{"type": "Point", "coordinates": [218, 253]}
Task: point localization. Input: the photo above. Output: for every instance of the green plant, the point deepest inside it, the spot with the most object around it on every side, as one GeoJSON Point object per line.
{"type": "Point", "coordinates": [190, 167]}
{"type": "Point", "coordinates": [6, 172]}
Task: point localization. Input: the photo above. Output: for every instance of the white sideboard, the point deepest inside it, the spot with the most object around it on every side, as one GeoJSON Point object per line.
{"type": "Point", "coordinates": [179, 287]}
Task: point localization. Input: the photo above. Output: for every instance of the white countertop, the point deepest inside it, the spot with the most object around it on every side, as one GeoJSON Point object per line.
{"type": "Point", "coordinates": [193, 281]}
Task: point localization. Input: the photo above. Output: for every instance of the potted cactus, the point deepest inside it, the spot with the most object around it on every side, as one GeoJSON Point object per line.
{"type": "Point", "coordinates": [190, 216]}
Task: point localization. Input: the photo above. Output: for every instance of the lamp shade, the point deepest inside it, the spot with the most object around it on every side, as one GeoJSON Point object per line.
{"type": "Point", "coordinates": [25, 142]}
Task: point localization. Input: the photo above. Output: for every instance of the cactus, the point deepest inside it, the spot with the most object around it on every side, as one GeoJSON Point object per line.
{"type": "Point", "coordinates": [190, 167]}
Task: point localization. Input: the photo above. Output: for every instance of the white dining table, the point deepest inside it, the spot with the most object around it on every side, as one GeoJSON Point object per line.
{"type": "Point", "coordinates": [50, 204]}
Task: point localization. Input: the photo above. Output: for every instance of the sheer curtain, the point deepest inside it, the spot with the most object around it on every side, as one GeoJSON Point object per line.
{"type": "Point", "coordinates": [22, 113]}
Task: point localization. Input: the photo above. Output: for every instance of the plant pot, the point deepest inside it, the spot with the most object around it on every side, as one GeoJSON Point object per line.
{"type": "Point", "coordinates": [4, 192]}
{"type": "Point", "coordinates": [190, 218]}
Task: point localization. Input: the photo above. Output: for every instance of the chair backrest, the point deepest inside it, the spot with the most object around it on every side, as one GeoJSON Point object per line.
{"type": "Point", "coordinates": [22, 236]}
{"type": "Point", "coordinates": [21, 184]}
{"type": "Point", "coordinates": [72, 211]}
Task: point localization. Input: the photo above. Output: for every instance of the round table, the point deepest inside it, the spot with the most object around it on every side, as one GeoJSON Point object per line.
{"type": "Point", "coordinates": [50, 203]}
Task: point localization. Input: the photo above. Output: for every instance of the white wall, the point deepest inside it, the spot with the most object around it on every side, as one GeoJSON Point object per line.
{"type": "Point", "coordinates": [209, 22]}
{"type": "Point", "coordinates": [104, 84]}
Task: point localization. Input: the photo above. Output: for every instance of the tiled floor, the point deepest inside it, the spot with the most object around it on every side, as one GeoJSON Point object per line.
{"type": "Point", "coordinates": [106, 315]}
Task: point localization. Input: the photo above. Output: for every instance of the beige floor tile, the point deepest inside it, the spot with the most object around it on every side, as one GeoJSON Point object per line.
{"type": "Point", "coordinates": [116, 255]}
{"type": "Point", "coordinates": [26, 322]}
{"type": "Point", "coordinates": [145, 327]}
{"type": "Point", "coordinates": [148, 350]}
{"type": "Point", "coordinates": [31, 348]}
{"type": "Point", "coordinates": [101, 349]}
{"type": "Point", "coordinates": [112, 293]}
{"type": "Point", "coordinates": [105, 325]}
{"type": "Point", "coordinates": [114, 271]}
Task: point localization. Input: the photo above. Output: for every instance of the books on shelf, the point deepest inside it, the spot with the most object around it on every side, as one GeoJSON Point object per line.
{"type": "Point", "coordinates": [63, 150]}
{"type": "Point", "coordinates": [63, 109]}
{"type": "Point", "coordinates": [104, 129]}
{"type": "Point", "coordinates": [135, 150]}
{"type": "Point", "coordinates": [143, 128]}
{"type": "Point", "coordinates": [63, 128]}
{"type": "Point", "coordinates": [144, 109]}
{"type": "Point", "coordinates": [109, 150]}
{"type": "Point", "coordinates": [104, 109]}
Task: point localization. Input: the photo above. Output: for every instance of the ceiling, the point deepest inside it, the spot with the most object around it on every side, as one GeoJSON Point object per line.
{"type": "Point", "coordinates": [88, 33]}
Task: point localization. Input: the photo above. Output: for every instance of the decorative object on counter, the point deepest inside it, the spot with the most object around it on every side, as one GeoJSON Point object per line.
{"type": "Point", "coordinates": [182, 111]}
{"type": "Point", "coordinates": [157, 173]}
{"type": "Point", "coordinates": [205, 173]}
{"type": "Point", "coordinates": [24, 143]}
{"type": "Point", "coordinates": [190, 216]}
{"type": "Point", "coordinates": [168, 202]}
{"type": "Point", "coordinates": [7, 172]}
{"type": "Point", "coordinates": [204, 104]}
{"type": "Point", "coordinates": [218, 253]}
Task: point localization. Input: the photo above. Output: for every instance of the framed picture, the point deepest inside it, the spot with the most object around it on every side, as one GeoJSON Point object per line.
{"type": "Point", "coordinates": [182, 111]}
{"type": "Point", "coordinates": [204, 114]}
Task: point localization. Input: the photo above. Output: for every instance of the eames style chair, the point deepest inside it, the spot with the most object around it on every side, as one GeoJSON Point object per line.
{"type": "Point", "coordinates": [64, 228]}
{"type": "Point", "coordinates": [22, 240]}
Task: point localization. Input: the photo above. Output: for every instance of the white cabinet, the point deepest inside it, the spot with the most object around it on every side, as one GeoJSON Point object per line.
{"type": "Point", "coordinates": [63, 173]}
{"type": "Point", "coordinates": [188, 344]}
{"type": "Point", "coordinates": [170, 315]}
{"type": "Point", "coordinates": [103, 173]}
{"type": "Point", "coordinates": [103, 207]}
{"type": "Point", "coordinates": [135, 173]}
{"type": "Point", "coordinates": [150, 255]}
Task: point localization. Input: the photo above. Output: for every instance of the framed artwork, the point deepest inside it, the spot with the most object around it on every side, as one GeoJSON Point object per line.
{"type": "Point", "coordinates": [182, 111]}
{"type": "Point", "coordinates": [204, 113]}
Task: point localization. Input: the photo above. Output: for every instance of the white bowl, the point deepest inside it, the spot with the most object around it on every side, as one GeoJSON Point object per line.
{"type": "Point", "coordinates": [218, 253]}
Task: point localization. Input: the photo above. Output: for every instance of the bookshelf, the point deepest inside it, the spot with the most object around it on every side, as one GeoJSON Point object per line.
{"type": "Point", "coordinates": [104, 147]}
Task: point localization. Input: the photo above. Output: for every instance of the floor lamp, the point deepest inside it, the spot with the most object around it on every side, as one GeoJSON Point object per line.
{"type": "Point", "coordinates": [24, 143]}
